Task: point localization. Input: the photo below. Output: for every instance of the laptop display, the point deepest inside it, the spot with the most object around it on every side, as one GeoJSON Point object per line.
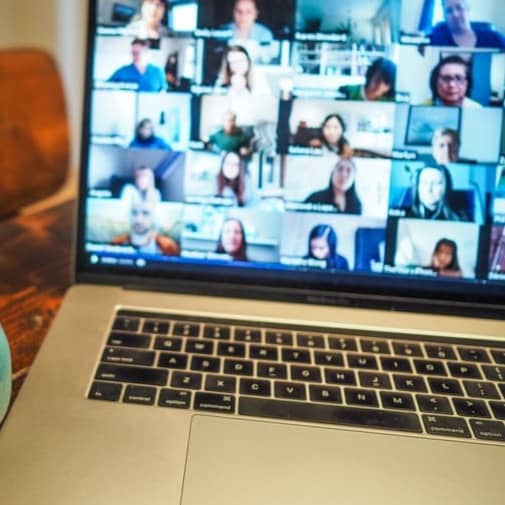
{"type": "Point", "coordinates": [352, 144]}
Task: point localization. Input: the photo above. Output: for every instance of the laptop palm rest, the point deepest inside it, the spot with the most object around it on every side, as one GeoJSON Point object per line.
{"type": "Point", "coordinates": [247, 462]}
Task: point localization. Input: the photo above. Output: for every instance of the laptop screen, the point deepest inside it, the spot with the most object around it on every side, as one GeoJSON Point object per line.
{"type": "Point", "coordinates": [352, 144]}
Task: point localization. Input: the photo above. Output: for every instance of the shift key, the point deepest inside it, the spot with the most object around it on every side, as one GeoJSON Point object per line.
{"type": "Point", "coordinates": [136, 375]}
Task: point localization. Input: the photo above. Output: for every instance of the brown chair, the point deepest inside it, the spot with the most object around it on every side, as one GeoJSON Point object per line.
{"type": "Point", "coordinates": [34, 134]}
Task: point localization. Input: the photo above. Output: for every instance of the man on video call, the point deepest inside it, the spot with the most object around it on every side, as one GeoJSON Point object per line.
{"type": "Point", "coordinates": [457, 30]}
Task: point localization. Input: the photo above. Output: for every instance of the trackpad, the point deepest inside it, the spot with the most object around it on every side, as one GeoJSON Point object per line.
{"type": "Point", "coordinates": [234, 461]}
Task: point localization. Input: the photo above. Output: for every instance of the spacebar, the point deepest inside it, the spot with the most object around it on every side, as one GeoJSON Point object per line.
{"type": "Point", "coordinates": [330, 414]}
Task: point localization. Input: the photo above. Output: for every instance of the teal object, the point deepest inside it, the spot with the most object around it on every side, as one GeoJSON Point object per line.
{"type": "Point", "coordinates": [5, 374]}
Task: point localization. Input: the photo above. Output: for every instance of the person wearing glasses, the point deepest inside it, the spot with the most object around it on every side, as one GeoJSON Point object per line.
{"type": "Point", "coordinates": [458, 30]}
{"type": "Point", "coordinates": [451, 83]}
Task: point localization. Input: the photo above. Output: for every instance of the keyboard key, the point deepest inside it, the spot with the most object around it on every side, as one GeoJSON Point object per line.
{"type": "Point", "coordinates": [474, 354]}
{"type": "Point", "coordinates": [361, 397]}
{"type": "Point", "coordinates": [128, 339]}
{"type": "Point", "coordinates": [395, 364]}
{"type": "Point", "coordinates": [325, 394]}
{"type": "Point", "coordinates": [440, 351]}
{"type": "Point", "coordinates": [186, 380]}
{"type": "Point", "coordinates": [407, 349]}
{"type": "Point", "coordinates": [140, 395]}
{"type": "Point", "coordinates": [476, 389]}
{"type": "Point", "coordinates": [168, 344]}
{"type": "Point", "coordinates": [446, 426]}
{"type": "Point", "coordinates": [305, 373]}
{"type": "Point", "coordinates": [295, 355]}
{"type": "Point", "coordinates": [231, 350]}
{"type": "Point", "coordinates": [374, 380]}
{"type": "Point", "coordinates": [128, 356]}
{"type": "Point", "coordinates": [247, 335]}
{"type": "Point", "coordinates": [105, 391]}
{"type": "Point", "coordinates": [138, 375]}
{"type": "Point", "coordinates": [205, 364]}
{"type": "Point", "coordinates": [329, 358]}
{"type": "Point", "coordinates": [272, 370]}
{"type": "Point", "coordinates": [279, 337]}
{"type": "Point", "coordinates": [216, 332]}
{"type": "Point", "coordinates": [186, 329]}
{"type": "Point", "coordinates": [255, 387]}
{"type": "Point", "coordinates": [502, 389]}
{"type": "Point", "coordinates": [291, 390]}
{"type": "Point", "coordinates": [175, 399]}
{"type": "Point", "coordinates": [126, 323]}
{"type": "Point", "coordinates": [173, 360]}
{"type": "Point", "coordinates": [263, 352]}
{"type": "Point", "coordinates": [160, 327]}
{"type": "Point", "coordinates": [410, 383]}
{"type": "Point", "coordinates": [434, 404]}
{"type": "Point", "coordinates": [470, 408]}
{"type": "Point", "coordinates": [362, 361]}
{"type": "Point", "coordinates": [238, 367]}
{"type": "Point", "coordinates": [464, 370]}
{"type": "Point", "coordinates": [340, 376]}
{"type": "Point", "coordinates": [488, 430]}
{"type": "Point", "coordinates": [220, 384]}
{"type": "Point", "coordinates": [330, 414]}
{"type": "Point", "coordinates": [342, 343]}
{"type": "Point", "coordinates": [402, 401]}
{"type": "Point", "coordinates": [212, 402]}
{"type": "Point", "coordinates": [197, 346]}
{"type": "Point", "coordinates": [375, 346]}
{"type": "Point", "coordinates": [445, 387]}
{"type": "Point", "coordinates": [499, 356]}
{"type": "Point", "coordinates": [498, 409]}
{"type": "Point", "coordinates": [426, 367]}
{"type": "Point", "coordinates": [314, 341]}
{"type": "Point", "coordinates": [494, 373]}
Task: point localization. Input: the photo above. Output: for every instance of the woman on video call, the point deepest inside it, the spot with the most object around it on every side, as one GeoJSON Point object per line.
{"type": "Point", "coordinates": [322, 245]}
{"type": "Point", "coordinates": [232, 240]}
{"type": "Point", "coordinates": [341, 190]}
{"type": "Point", "coordinates": [332, 137]}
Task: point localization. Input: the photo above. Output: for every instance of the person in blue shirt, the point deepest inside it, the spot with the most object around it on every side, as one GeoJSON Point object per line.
{"type": "Point", "coordinates": [457, 30]}
{"type": "Point", "coordinates": [322, 245]}
{"type": "Point", "coordinates": [255, 37]}
{"type": "Point", "coordinates": [148, 77]}
{"type": "Point", "coordinates": [145, 137]}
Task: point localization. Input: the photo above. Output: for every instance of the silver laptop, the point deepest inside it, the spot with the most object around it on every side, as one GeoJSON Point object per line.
{"type": "Point", "coordinates": [290, 262]}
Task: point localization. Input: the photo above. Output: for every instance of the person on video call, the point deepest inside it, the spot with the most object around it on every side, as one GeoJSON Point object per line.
{"type": "Point", "coordinates": [445, 146]}
{"type": "Point", "coordinates": [232, 240]}
{"type": "Point", "coordinates": [433, 192]}
{"type": "Point", "coordinates": [148, 77]}
{"type": "Point", "coordinates": [341, 190]}
{"type": "Point", "coordinates": [331, 138]}
{"type": "Point", "coordinates": [143, 189]}
{"type": "Point", "coordinates": [143, 235]}
{"type": "Point", "coordinates": [379, 84]}
{"type": "Point", "coordinates": [230, 137]}
{"type": "Point", "coordinates": [145, 137]}
{"type": "Point", "coordinates": [232, 180]}
{"type": "Point", "coordinates": [247, 32]}
{"type": "Point", "coordinates": [451, 83]}
{"type": "Point", "coordinates": [148, 23]}
{"type": "Point", "coordinates": [444, 260]}
{"type": "Point", "coordinates": [323, 246]}
{"type": "Point", "coordinates": [458, 30]}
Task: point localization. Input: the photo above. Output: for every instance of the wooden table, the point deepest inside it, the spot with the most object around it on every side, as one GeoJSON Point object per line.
{"type": "Point", "coordinates": [35, 271]}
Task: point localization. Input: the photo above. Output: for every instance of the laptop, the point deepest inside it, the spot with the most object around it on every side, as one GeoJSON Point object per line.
{"type": "Point", "coordinates": [290, 266]}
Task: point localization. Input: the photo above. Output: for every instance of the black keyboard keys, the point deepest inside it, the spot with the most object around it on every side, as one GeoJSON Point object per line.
{"type": "Point", "coordinates": [186, 329]}
{"type": "Point", "coordinates": [105, 391]}
{"type": "Point", "coordinates": [470, 408]}
{"type": "Point", "coordinates": [186, 380]}
{"type": "Point", "coordinates": [407, 349]}
{"type": "Point", "coordinates": [174, 398]}
{"type": "Point", "coordinates": [464, 370]}
{"type": "Point", "coordinates": [446, 426]}
{"type": "Point", "coordinates": [395, 364]}
{"type": "Point", "coordinates": [140, 395]}
{"type": "Point", "coordinates": [231, 350]}
{"type": "Point", "coordinates": [478, 355]}
{"type": "Point", "coordinates": [325, 394]}
{"type": "Point", "coordinates": [361, 397]}
{"type": "Point", "coordinates": [238, 367]}
{"type": "Point", "coordinates": [445, 387]}
{"type": "Point", "coordinates": [126, 323]}
{"type": "Point", "coordinates": [214, 402]}
{"type": "Point", "coordinates": [290, 390]}
{"type": "Point", "coordinates": [493, 431]}
{"type": "Point", "coordinates": [434, 404]}
{"type": "Point", "coordinates": [138, 375]}
{"type": "Point", "coordinates": [374, 380]}
{"type": "Point", "coordinates": [216, 332]}
{"type": "Point", "coordinates": [255, 387]}
{"type": "Point", "coordinates": [128, 339]}
{"type": "Point", "coordinates": [426, 367]}
{"type": "Point", "coordinates": [362, 361]}
{"type": "Point", "coordinates": [499, 356]}
{"type": "Point", "coordinates": [477, 389]}
{"type": "Point", "coordinates": [205, 364]}
{"type": "Point", "coordinates": [402, 401]}
{"type": "Point", "coordinates": [440, 351]}
{"type": "Point", "coordinates": [273, 370]}
{"type": "Point", "coordinates": [220, 384]}
{"type": "Point", "coordinates": [410, 383]}
{"type": "Point", "coordinates": [128, 356]}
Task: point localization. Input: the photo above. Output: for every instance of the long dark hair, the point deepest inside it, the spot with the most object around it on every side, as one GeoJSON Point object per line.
{"type": "Point", "coordinates": [444, 61]}
{"type": "Point", "coordinates": [386, 71]}
{"type": "Point", "coordinates": [237, 185]}
{"type": "Point", "coordinates": [448, 183]}
{"type": "Point", "coordinates": [241, 254]}
{"type": "Point", "coordinates": [352, 201]}
{"type": "Point", "coordinates": [342, 141]}
{"type": "Point", "coordinates": [140, 125]}
{"type": "Point", "coordinates": [225, 72]}
{"type": "Point", "coordinates": [454, 264]}
{"type": "Point", "coordinates": [327, 233]}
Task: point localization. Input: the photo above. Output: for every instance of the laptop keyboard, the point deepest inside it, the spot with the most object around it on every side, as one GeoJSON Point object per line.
{"type": "Point", "coordinates": [311, 375]}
